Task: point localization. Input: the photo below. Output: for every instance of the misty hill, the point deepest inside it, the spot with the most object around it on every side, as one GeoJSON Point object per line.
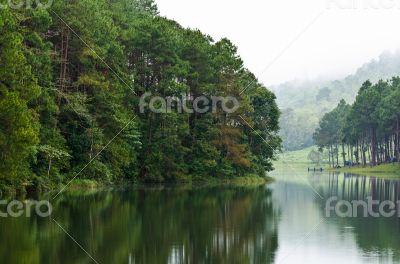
{"type": "Point", "coordinates": [303, 103]}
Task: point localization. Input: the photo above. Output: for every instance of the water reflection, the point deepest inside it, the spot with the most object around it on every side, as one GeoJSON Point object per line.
{"type": "Point", "coordinates": [212, 225]}
{"type": "Point", "coordinates": [307, 235]}
{"type": "Point", "coordinates": [209, 225]}
{"type": "Point", "coordinates": [357, 187]}
{"type": "Point", "coordinates": [378, 238]}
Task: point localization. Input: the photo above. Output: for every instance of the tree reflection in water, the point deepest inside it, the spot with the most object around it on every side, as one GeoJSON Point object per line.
{"type": "Point", "coordinates": [374, 235]}
{"type": "Point", "coordinates": [207, 225]}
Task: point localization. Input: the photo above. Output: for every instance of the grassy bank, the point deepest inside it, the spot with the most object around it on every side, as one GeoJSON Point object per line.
{"type": "Point", "coordinates": [239, 181]}
{"type": "Point", "coordinates": [250, 180]}
{"type": "Point", "coordinates": [79, 184]}
{"type": "Point", "coordinates": [295, 157]}
{"type": "Point", "coordinates": [385, 170]}
{"type": "Point", "coordinates": [88, 186]}
{"type": "Point", "coordinates": [299, 157]}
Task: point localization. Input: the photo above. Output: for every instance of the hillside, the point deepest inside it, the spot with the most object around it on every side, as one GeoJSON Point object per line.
{"type": "Point", "coordinates": [303, 103]}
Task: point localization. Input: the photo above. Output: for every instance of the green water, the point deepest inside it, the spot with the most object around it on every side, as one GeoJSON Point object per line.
{"type": "Point", "coordinates": [284, 222]}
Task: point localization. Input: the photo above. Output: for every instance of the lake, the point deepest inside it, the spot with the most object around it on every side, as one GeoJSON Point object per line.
{"type": "Point", "coordinates": [283, 222]}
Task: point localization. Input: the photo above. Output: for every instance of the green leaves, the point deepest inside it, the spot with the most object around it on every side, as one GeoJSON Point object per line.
{"type": "Point", "coordinates": [370, 123]}
{"type": "Point", "coordinates": [71, 78]}
{"type": "Point", "coordinates": [53, 153]}
{"type": "Point", "coordinates": [19, 131]}
{"type": "Point", "coordinates": [19, 126]}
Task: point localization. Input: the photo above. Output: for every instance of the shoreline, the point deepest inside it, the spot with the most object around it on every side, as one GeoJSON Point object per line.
{"type": "Point", "coordinates": [85, 185]}
{"type": "Point", "coordinates": [194, 183]}
{"type": "Point", "coordinates": [383, 171]}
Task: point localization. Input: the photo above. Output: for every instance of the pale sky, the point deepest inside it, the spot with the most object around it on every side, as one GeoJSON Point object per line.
{"type": "Point", "coordinates": [282, 40]}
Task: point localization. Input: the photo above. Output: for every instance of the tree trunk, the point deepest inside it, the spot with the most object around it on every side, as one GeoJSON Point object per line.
{"type": "Point", "coordinates": [364, 156]}
{"type": "Point", "coordinates": [397, 140]}
{"type": "Point", "coordinates": [369, 155]}
{"type": "Point", "coordinates": [358, 152]}
{"type": "Point", "coordinates": [337, 154]}
{"type": "Point", "coordinates": [48, 169]}
{"type": "Point", "coordinates": [348, 152]}
{"type": "Point", "coordinates": [373, 146]}
{"type": "Point", "coordinates": [351, 154]}
{"type": "Point", "coordinates": [344, 155]}
{"type": "Point", "coordinates": [64, 46]}
{"type": "Point", "coordinates": [387, 150]}
{"type": "Point", "coordinates": [329, 157]}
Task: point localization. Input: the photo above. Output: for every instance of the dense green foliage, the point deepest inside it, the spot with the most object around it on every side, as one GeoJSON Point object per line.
{"type": "Point", "coordinates": [71, 78]}
{"type": "Point", "coordinates": [304, 103]}
{"type": "Point", "coordinates": [366, 132]}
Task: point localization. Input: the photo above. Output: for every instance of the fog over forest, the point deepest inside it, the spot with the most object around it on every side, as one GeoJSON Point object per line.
{"type": "Point", "coordinates": [304, 102]}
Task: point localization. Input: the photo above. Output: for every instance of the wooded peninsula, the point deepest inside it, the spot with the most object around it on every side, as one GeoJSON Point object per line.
{"type": "Point", "coordinates": [71, 77]}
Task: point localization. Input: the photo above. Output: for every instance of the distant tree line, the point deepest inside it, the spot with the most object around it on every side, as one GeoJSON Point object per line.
{"type": "Point", "coordinates": [366, 132]}
{"type": "Point", "coordinates": [71, 78]}
{"type": "Point", "coordinates": [303, 103]}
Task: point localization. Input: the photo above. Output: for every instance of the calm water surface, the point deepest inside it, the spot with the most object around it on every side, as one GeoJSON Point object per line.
{"type": "Point", "coordinates": [283, 222]}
